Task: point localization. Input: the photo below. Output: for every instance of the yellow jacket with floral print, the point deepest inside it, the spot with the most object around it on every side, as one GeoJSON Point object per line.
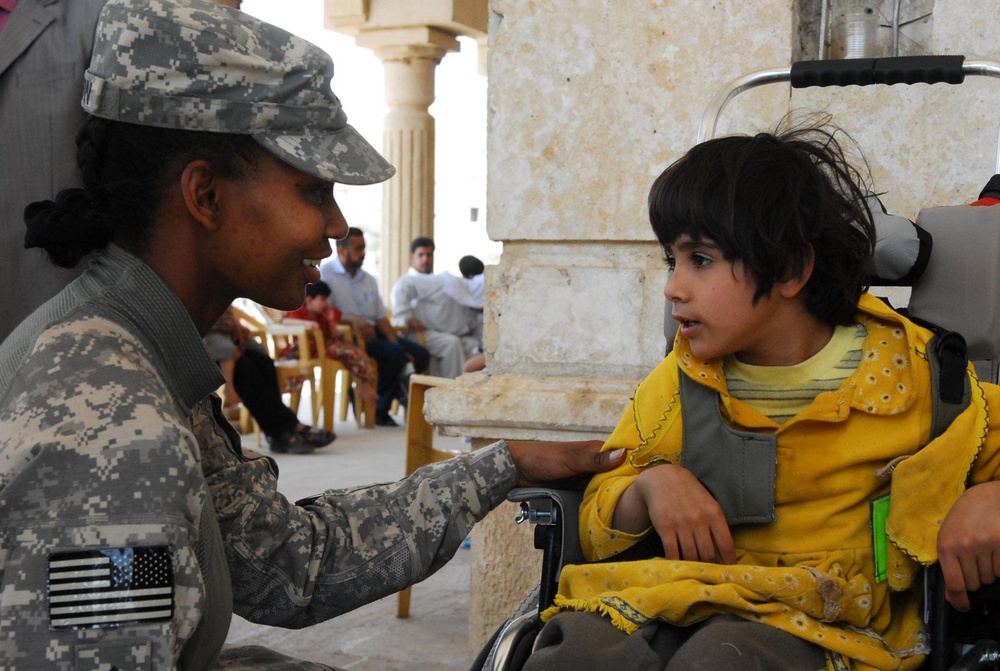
{"type": "Point", "coordinates": [811, 572]}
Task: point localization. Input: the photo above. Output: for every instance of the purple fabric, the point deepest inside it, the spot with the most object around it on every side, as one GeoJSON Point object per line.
{"type": "Point", "coordinates": [6, 7]}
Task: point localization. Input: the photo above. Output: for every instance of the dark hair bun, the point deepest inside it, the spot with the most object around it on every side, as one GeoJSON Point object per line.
{"type": "Point", "coordinates": [63, 228]}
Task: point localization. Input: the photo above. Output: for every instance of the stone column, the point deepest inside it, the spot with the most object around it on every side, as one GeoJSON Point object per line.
{"type": "Point", "coordinates": [410, 38]}
{"type": "Point", "coordinates": [408, 139]}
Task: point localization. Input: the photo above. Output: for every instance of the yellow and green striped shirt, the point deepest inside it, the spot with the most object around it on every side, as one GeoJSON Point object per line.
{"type": "Point", "coordinates": [781, 392]}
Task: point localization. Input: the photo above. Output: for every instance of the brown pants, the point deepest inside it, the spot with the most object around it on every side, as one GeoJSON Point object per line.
{"type": "Point", "coordinates": [572, 641]}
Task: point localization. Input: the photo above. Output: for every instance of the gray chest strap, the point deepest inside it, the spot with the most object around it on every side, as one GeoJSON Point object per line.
{"type": "Point", "coordinates": [737, 467]}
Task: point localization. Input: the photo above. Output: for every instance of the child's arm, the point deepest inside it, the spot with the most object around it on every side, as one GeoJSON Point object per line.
{"type": "Point", "coordinates": [642, 496]}
{"type": "Point", "coordinates": [968, 541]}
{"type": "Point", "coordinates": [687, 518]}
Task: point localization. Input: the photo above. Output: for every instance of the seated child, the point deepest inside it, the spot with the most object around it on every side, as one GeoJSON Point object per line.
{"type": "Point", "coordinates": [361, 367]}
{"type": "Point", "coordinates": [791, 401]}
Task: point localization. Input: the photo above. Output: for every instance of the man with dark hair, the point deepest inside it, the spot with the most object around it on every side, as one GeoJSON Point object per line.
{"type": "Point", "coordinates": [422, 254]}
{"type": "Point", "coordinates": [472, 270]}
{"type": "Point", "coordinates": [355, 293]}
{"type": "Point", "coordinates": [440, 307]}
{"type": "Point", "coordinates": [252, 380]}
{"type": "Point", "coordinates": [470, 266]}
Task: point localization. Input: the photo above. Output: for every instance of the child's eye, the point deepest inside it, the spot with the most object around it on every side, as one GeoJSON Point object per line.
{"type": "Point", "coordinates": [670, 261]}
{"type": "Point", "coordinates": [700, 260]}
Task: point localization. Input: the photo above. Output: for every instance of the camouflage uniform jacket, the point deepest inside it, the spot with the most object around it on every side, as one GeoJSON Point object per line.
{"type": "Point", "coordinates": [110, 444]}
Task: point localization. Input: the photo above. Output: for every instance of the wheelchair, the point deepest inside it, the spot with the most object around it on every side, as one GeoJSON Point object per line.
{"type": "Point", "coordinates": [959, 641]}
{"type": "Point", "coordinates": [963, 237]}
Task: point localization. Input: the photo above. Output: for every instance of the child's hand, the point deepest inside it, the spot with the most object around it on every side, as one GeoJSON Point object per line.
{"type": "Point", "coordinates": [688, 519]}
{"type": "Point", "coordinates": [969, 543]}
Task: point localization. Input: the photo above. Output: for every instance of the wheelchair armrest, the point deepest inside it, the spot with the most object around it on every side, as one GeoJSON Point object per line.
{"type": "Point", "coordinates": [555, 512]}
{"type": "Point", "coordinates": [952, 632]}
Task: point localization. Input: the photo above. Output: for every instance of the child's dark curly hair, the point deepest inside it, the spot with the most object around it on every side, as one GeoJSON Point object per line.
{"type": "Point", "coordinates": [769, 202]}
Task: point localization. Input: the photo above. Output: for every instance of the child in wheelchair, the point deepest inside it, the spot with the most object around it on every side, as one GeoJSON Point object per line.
{"type": "Point", "coordinates": [782, 463]}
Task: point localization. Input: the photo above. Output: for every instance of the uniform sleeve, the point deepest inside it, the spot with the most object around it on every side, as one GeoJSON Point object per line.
{"type": "Point", "coordinates": [647, 429]}
{"type": "Point", "coordinates": [295, 565]}
{"type": "Point", "coordinates": [100, 498]}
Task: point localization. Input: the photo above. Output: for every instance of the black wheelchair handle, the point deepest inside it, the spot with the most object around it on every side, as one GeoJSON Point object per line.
{"type": "Point", "coordinates": [848, 72]}
{"type": "Point", "coordinates": [871, 71]}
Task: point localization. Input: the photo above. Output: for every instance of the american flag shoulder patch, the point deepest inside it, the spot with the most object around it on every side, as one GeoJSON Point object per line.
{"type": "Point", "coordinates": [111, 587]}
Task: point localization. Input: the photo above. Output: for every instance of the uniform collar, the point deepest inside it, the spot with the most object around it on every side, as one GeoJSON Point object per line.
{"type": "Point", "coordinates": [140, 296]}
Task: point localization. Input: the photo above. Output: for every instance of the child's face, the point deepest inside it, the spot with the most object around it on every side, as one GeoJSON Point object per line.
{"type": "Point", "coordinates": [316, 304]}
{"type": "Point", "coordinates": [712, 298]}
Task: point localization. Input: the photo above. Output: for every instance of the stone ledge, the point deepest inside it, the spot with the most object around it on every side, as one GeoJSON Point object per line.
{"type": "Point", "coordinates": [523, 407]}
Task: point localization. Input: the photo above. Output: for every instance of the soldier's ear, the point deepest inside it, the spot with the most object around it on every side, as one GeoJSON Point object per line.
{"type": "Point", "coordinates": [199, 186]}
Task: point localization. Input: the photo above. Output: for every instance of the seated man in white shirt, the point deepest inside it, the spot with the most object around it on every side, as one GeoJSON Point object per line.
{"type": "Point", "coordinates": [441, 307]}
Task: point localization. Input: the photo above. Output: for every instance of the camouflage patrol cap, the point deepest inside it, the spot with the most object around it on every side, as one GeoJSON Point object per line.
{"type": "Point", "coordinates": [198, 65]}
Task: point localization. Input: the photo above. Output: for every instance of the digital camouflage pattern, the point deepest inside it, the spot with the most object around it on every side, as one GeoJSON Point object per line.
{"type": "Point", "coordinates": [198, 65]}
{"type": "Point", "coordinates": [111, 437]}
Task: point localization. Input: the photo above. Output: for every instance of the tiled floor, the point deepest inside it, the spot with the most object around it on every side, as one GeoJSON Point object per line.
{"type": "Point", "coordinates": [372, 638]}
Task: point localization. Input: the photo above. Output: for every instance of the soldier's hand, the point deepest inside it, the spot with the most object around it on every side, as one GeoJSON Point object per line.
{"type": "Point", "coordinates": [540, 462]}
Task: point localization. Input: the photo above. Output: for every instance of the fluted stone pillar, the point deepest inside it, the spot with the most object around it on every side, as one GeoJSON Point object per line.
{"type": "Point", "coordinates": [408, 143]}
{"type": "Point", "coordinates": [410, 38]}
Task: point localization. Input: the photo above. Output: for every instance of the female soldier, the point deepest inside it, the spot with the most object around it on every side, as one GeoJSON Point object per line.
{"type": "Point", "coordinates": [134, 524]}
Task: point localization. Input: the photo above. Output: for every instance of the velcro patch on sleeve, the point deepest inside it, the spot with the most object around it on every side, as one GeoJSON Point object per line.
{"type": "Point", "coordinates": [110, 587]}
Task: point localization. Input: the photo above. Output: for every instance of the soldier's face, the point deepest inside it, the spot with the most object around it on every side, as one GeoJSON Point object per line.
{"type": "Point", "coordinates": [278, 221]}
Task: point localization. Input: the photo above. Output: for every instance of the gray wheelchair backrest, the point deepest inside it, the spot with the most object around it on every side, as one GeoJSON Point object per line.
{"type": "Point", "coordinates": [960, 288]}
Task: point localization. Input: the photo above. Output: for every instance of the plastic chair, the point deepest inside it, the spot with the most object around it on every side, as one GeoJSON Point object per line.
{"type": "Point", "coordinates": [244, 421]}
{"type": "Point", "coordinates": [275, 337]}
{"type": "Point", "coordinates": [364, 413]}
{"type": "Point", "coordinates": [312, 366]}
{"type": "Point", "coordinates": [420, 447]}
{"type": "Point", "coordinates": [331, 379]}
